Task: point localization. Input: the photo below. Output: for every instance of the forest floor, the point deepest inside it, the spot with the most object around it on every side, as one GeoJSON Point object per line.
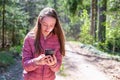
{"type": "Point", "coordinates": [78, 64]}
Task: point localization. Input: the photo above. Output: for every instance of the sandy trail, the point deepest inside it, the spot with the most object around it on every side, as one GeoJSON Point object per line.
{"type": "Point", "coordinates": [77, 68]}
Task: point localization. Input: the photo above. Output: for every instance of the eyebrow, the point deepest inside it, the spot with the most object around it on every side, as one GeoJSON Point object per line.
{"type": "Point", "coordinates": [43, 21]}
{"type": "Point", "coordinates": [46, 23]}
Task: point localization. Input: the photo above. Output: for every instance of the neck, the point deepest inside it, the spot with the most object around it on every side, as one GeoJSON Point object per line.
{"type": "Point", "coordinates": [45, 37]}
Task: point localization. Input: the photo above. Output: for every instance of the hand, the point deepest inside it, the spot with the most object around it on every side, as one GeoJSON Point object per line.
{"type": "Point", "coordinates": [51, 60]}
{"type": "Point", "coordinates": [40, 60]}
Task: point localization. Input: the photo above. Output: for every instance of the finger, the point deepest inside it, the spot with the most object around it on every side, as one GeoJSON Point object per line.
{"type": "Point", "coordinates": [47, 56]}
{"type": "Point", "coordinates": [51, 59]}
{"type": "Point", "coordinates": [54, 57]}
{"type": "Point", "coordinates": [46, 60]}
{"type": "Point", "coordinates": [43, 58]}
{"type": "Point", "coordinates": [49, 62]}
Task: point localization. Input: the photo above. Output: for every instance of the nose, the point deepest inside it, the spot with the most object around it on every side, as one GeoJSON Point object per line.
{"type": "Point", "coordinates": [47, 27]}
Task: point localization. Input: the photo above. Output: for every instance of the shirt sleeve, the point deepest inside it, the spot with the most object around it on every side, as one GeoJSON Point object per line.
{"type": "Point", "coordinates": [27, 56]}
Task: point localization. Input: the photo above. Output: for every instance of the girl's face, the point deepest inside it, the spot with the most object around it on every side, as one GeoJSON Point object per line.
{"type": "Point", "coordinates": [47, 25]}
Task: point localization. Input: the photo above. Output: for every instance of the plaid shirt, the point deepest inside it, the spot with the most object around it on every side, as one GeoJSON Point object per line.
{"type": "Point", "coordinates": [41, 72]}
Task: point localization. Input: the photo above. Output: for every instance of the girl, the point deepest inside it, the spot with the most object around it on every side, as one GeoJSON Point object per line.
{"type": "Point", "coordinates": [47, 34]}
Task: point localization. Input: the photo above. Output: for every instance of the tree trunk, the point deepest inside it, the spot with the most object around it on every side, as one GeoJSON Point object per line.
{"type": "Point", "coordinates": [3, 27]}
{"type": "Point", "coordinates": [13, 36]}
{"type": "Point", "coordinates": [102, 21]}
{"type": "Point", "coordinates": [93, 18]}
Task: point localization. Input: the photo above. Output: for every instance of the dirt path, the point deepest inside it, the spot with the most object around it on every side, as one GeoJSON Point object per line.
{"type": "Point", "coordinates": [78, 64]}
{"type": "Point", "coordinates": [76, 67]}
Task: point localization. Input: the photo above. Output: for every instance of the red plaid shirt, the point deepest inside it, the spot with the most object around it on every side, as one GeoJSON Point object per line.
{"type": "Point", "coordinates": [42, 72]}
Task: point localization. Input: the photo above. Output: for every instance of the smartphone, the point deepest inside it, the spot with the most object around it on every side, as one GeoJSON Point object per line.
{"type": "Point", "coordinates": [49, 52]}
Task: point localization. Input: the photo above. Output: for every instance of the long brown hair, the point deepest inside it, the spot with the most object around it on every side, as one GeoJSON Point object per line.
{"type": "Point", "coordinates": [57, 30]}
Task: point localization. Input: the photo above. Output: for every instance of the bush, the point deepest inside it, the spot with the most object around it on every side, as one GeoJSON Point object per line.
{"type": "Point", "coordinates": [113, 38]}
{"type": "Point", "coordinates": [5, 59]}
{"type": "Point", "coordinates": [16, 50]}
{"type": "Point", "coordinates": [112, 43]}
{"type": "Point", "coordinates": [85, 36]}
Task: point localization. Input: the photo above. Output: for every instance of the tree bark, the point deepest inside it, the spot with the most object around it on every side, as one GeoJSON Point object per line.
{"type": "Point", "coordinates": [3, 27]}
{"type": "Point", "coordinates": [93, 18]}
{"type": "Point", "coordinates": [102, 21]}
{"type": "Point", "coordinates": [13, 35]}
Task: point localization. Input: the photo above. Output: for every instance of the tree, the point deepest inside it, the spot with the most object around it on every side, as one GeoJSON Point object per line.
{"type": "Point", "coordinates": [3, 22]}
{"type": "Point", "coordinates": [113, 26]}
{"type": "Point", "coordinates": [93, 18]}
{"type": "Point", "coordinates": [102, 20]}
{"type": "Point", "coordinates": [13, 20]}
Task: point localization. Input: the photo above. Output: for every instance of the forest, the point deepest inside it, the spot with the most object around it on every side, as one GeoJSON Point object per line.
{"type": "Point", "coordinates": [89, 22]}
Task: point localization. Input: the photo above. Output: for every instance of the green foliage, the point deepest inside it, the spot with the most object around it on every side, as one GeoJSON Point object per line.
{"type": "Point", "coordinates": [113, 39]}
{"type": "Point", "coordinates": [78, 5]}
{"type": "Point", "coordinates": [6, 59]}
{"type": "Point", "coordinates": [16, 50]}
{"type": "Point", "coordinates": [113, 28]}
{"type": "Point", "coordinates": [71, 4]}
{"type": "Point", "coordinates": [112, 43]}
{"type": "Point", "coordinates": [16, 22]}
{"type": "Point", "coordinates": [74, 15]}
{"type": "Point", "coordinates": [114, 5]}
{"type": "Point", "coordinates": [62, 72]}
{"type": "Point", "coordinates": [101, 46]}
{"type": "Point", "coordinates": [19, 37]}
{"type": "Point", "coordinates": [72, 30]}
{"type": "Point", "coordinates": [85, 36]}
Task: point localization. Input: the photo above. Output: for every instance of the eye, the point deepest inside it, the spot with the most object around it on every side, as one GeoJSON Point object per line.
{"type": "Point", "coordinates": [44, 24]}
{"type": "Point", "coordinates": [51, 25]}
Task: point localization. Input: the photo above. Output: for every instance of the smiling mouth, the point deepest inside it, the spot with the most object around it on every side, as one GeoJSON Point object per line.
{"type": "Point", "coordinates": [46, 31]}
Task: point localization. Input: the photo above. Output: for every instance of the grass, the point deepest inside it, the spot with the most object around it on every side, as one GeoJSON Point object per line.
{"type": "Point", "coordinates": [62, 72]}
{"type": "Point", "coordinates": [7, 55]}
